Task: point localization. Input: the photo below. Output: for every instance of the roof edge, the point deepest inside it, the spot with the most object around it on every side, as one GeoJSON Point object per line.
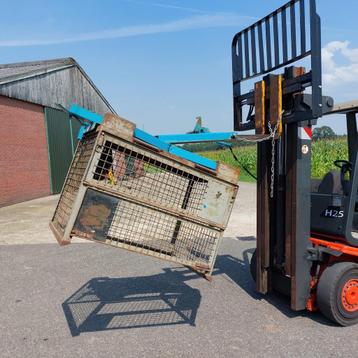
{"type": "Point", "coordinates": [93, 85]}
{"type": "Point", "coordinates": [62, 61]}
{"type": "Point", "coordinates": [54, 65]}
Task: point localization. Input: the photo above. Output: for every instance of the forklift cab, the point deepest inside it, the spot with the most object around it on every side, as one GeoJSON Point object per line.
{"type": "Point", "coordinates": [334, 199]}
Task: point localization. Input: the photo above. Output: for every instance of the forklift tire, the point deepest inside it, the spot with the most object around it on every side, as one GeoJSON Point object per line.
{"type": "Point", "coordinates": [337, 293]}
{"type": "Point", "coordinates": [253, 266]}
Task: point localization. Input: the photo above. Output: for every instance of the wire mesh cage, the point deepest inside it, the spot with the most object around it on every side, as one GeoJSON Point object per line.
{"type": "Point", "coordinates": [125, 192]}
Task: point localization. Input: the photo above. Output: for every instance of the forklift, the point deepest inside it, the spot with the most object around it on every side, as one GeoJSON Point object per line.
{"type": "Point", "coordinates": [307, 230]}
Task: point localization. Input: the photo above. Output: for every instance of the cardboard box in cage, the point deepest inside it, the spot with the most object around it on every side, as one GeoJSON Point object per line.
{"type": "Point", "coordinates": [127, 189]}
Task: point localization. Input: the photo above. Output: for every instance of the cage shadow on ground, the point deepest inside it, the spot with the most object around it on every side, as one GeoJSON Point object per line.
{"type": "Point", "coordinates": [132, 302]}
{"type": "Point", "coordinates": [163, 299]}
{"type": "Point", "coordinates": [105, 303]}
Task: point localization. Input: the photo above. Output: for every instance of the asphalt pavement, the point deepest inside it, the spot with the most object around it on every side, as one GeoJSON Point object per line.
{"type": "Point", "coordinates": [90, 300]}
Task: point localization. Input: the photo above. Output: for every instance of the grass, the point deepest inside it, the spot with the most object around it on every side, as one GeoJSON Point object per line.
{"type": "Point", "coordinates": [324, 153]}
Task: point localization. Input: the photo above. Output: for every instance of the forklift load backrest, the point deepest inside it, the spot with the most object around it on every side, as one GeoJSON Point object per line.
{"type": "Point", "coordinates": [283, 37]}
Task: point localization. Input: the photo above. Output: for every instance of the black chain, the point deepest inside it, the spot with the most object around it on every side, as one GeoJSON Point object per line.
{"type": "Point", "coordinates": [241, 165]}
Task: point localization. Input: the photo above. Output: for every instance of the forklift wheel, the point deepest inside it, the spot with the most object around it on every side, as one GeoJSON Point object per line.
{"type": "Point", "coordinates": [253, 266]}
{"type": "Point", "coordinates": [337, 293]}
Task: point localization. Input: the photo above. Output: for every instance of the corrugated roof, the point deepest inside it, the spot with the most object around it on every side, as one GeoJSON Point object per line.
{"type": "Point", "coordinates": [16, 71]}
{"type": "Point", "coordinates": [11, 74]}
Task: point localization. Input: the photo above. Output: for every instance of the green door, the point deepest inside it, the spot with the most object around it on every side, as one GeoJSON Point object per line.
{"type": "Point", "coordinates": [61, 134]}
{"type": "Point", "coordinates": [75, 127]}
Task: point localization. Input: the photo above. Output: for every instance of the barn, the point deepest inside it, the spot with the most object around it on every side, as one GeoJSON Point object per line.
{"type": "Point", "coordinates": [37, 137]}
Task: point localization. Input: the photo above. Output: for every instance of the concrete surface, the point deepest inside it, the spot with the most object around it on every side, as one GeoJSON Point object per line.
{"type": "Point", "coordinates": [97, 301]}
{"type": "Point", "coordinates": [242, 222]}
{"type": "Point", "coordinates": [27, 223]}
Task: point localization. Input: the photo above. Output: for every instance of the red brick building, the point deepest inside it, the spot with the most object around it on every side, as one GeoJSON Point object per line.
{"type": "Point", "coordinates": [37, 138]}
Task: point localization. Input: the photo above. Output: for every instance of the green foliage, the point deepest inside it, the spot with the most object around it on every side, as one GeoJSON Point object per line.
{"type": "Point", "coordinates": [324, 153]}
{"type": "Point", "coordinates": [246, 156]}
{"type": "Point", "coordinates": [200, 147]}
{"type": "Point", "coordinates": [209, 146]}
{"type": "Point", "coordinates": [323, 132]}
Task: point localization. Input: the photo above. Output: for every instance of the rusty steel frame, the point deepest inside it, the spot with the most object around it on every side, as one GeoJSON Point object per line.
{"type": "Point", "coordinates": [138, 193]}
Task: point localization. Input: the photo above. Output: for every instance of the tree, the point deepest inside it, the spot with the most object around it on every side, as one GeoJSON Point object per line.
{"type": "Point", "coordinates": [323, 132]}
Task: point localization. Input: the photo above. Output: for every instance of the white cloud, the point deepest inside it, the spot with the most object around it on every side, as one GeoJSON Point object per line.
{"type": "Point", "coordinates": [167, 6]}
{"type": "Point", "coordinates": [334, 73]}
{"type": "Point", "coordinates": [189, 23]}
{"type": "Point", "coordinates": [176, 7]}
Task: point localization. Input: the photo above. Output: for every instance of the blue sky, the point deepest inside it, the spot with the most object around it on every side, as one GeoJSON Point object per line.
{"type": "Point", "coordinates": [161, 63]}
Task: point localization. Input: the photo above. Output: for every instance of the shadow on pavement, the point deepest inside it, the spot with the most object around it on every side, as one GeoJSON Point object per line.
{"type": "Point", "coordinates": [246, 238]}
{"type": "Point", "coordinates": [132, 302]}
{"type": "Point", "coordinates": [238, 270]}
{"type": "Point", "coordinates": [105, 303]}
{"type": "Point", "coordinates": [159, 300]}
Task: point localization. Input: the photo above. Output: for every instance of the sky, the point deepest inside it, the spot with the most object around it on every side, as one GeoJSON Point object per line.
{"type": "Point", "coordinates": [162, 63]}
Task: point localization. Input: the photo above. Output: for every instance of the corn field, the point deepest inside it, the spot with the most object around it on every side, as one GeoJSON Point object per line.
{"type": "Point", "coordinates": [324, 153]}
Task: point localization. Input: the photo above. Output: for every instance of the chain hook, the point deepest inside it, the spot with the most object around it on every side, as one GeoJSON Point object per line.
{"type": "Point", "coordinates": [272, 135]}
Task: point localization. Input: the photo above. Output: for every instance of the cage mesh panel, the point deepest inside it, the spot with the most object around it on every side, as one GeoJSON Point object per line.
{"type": "Point", "coordinates": [127, 171]}
{"type": "Point", "coordinates": [153, 202]}
{"type": "Point", "coordinates": [150, 231]}
{"type": "Point", "coordinates": [73, 181]}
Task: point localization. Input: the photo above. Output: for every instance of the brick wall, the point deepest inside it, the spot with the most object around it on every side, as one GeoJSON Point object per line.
{"type": "Point", "coordinates": [24, 170]}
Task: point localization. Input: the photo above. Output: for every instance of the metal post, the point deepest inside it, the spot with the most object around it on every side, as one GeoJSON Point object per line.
{"type": "Point", "coordinates": [352, 135]}
{"type": "Point", "coordinates": [263, 218]}
{"type": "Point", "coordinates": [298, 218]}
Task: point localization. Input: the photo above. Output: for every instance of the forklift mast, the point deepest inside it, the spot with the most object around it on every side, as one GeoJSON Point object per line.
{"type": "Point", "coordinates": [284, 104]}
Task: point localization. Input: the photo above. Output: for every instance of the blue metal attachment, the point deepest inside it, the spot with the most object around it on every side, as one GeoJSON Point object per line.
{"type": "Point", "coordinates": [197, 137]}
{"type": "Point", "coordinates": [180, 152]}
{"type": "Point", "coordinates": [200, 134]}
{"type": "Point", "coordinates": [154, 141]}
{"type": "Point", "coordinates": [196, 158]}
{"type": "Point", "coordinates": [87, 118]}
